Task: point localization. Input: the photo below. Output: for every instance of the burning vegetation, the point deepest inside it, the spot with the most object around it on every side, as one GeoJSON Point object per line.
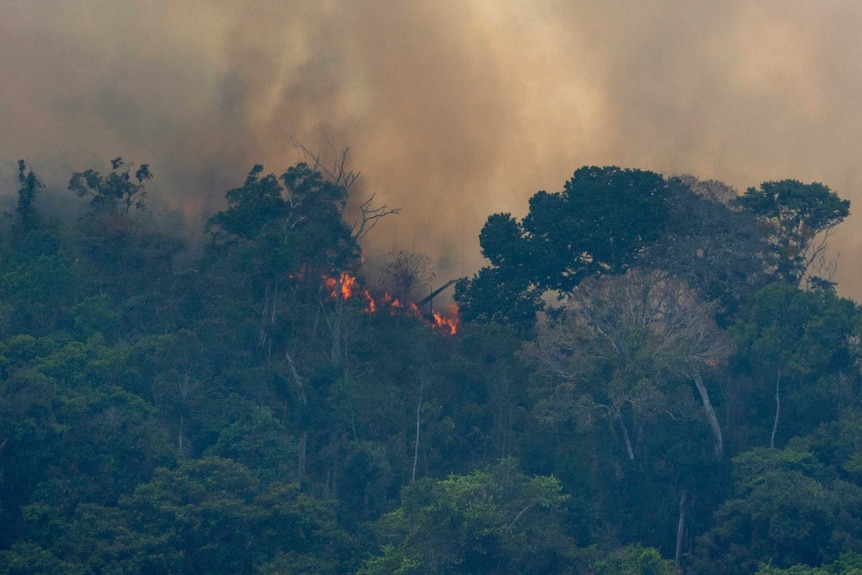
{"type": "Point", "coordinates": [347, 287]}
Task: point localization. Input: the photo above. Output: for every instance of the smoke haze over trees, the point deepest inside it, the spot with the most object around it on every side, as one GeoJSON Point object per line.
{"type": "Point", "coordinates": [210, 362]}
{"type": "Point", "coordinates": [452, 111]}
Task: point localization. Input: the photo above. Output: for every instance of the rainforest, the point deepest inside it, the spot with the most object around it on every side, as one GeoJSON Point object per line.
{"type": "Point", "coordinates": [649, 375]}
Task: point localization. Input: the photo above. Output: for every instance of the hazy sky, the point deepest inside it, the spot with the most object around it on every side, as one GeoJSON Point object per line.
{"type": "Point", "coordinates": [452, 109]}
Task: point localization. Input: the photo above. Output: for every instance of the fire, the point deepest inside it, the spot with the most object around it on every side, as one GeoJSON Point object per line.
{"type": "Point", "coordinates": [348, 285]}
{"type": "Point", "coordinates": [447, 323]}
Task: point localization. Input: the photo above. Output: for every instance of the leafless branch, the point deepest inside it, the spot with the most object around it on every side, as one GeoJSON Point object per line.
{"type": "Point", "coordinates": [370, 216]}
{"type": "Point", "coordinates": [335, 169]}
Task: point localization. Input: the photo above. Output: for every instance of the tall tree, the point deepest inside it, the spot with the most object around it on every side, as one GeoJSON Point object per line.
{"type": "Point", "coordinates": [794, 350]}
{"type": "Point", "coordinates": [116, 193]}
{"type": "Point", "coordinates": [624, 341]}
{"type": "Point", "coordinates": [798, 219]}
{"type": "Point", "coordinates": [712, 243]}
{"type": "Point", "coordinates": [600, 223]}
{"type": "Point", "coordinates": [25, 211]}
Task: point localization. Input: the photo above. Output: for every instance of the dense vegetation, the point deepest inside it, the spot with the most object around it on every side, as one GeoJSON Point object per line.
{"type": "Point", "coordinates": [652, 375]}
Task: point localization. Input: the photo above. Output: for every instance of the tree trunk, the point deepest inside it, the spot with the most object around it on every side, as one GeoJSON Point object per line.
{"type": "Point", "coordinates": [335, 356]}
{"type": "Point", "coordinates": [303, 442]}
{"type": "Point", "coordinates": [303, 402]}
{"type": "Point", "coordinates": [629, 451]}
{"type": "Point", "coordinates": [710, 414]}
{"type": "Point", "coordinates": [680, 527]}
{"type": "Point", "coordinates": [180, 440]}
{"type": "Point", "coordinates": [416, 442]}
{"type": "Point", "coordinates": [777, 409]}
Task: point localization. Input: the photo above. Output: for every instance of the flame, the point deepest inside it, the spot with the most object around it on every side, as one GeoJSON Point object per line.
{"type": "Point", "coordinates": [447, 323]}
{"type": "Point", "coordinates": [348, 285]}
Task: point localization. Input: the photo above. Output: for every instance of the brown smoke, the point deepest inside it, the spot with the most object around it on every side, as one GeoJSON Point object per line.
{"type": "Point", "coordinates": [453, 110]}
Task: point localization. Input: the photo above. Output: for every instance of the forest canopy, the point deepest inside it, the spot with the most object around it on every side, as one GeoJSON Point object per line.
{"type": "Point", "coordinates": [650, 375]}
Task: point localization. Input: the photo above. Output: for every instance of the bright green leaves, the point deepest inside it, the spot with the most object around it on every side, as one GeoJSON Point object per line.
{"type": "Point", "coordinates": [848, 564]}
{"type": "Point", "coordinates": [493, 521]}
{"type": "Point", "coordinates": [634, 560]}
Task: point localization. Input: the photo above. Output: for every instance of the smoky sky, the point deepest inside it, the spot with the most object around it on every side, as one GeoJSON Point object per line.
{"type": "Point", "coordinates": [452, 110]}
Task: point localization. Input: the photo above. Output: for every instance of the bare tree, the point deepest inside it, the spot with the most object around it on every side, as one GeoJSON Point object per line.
{"type": "Point", "coordinates": [334, 168]}
{"type": "Point", "coordinates": [406, 274]}
{"type": "Point", "coordinates": [645, 329]}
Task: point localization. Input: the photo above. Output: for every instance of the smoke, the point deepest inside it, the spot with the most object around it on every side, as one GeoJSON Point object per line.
{"type": "Point", "coordinates": [452, 110]}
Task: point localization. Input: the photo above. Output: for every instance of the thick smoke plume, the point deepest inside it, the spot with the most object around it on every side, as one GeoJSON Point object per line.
{"type": "Point", "coordinates": [452, 110]}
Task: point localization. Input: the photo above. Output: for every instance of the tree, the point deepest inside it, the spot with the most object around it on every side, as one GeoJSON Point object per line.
{"type": "Point", "coordinates": [634, 350]}
{"type": "Point", "coordinates": [405, 274]}
{"type": "Point", "coordinates": [848, 564]}
{"type": "Point", "coordinates": [783, 511]}
{"type": "Point", "coordinates": [711, 243]}
{"type": "Point", "coordinates": [797, 220]}
{"type": "Point", "coordinates": [602, 221]}
{"type": "Point", "coordinates": [115, 193]}
{"type": "Point", "coordinates": [25, 211]}
{"type": "Point", "coordinates": [633, 560]}
{"type": "Point", "coordinates": [793, 349]}
{"type": "Point", "coordinates": [120, 252]}
{"type": "Point", "coordinates": [496, 520]}
{"type": "Point", "coordinates": [622, 342]}
{"type": "Point", "coordinates": [286, 237]}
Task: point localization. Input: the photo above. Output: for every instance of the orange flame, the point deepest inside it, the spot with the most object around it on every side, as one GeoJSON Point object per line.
{"type": "Point", "coordinates": [347, 282]}
{"type": "Point", "coordinates": [447, 323]}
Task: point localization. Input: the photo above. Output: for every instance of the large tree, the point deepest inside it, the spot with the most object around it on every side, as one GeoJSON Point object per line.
{"type": "Point", "coordinates": [624, 344]}
{"type": "Point", "coordinates": [602, 220]}
{"type": "Point", "coordinates": [497, 520]}
{"type": "Point", "coordinates": [797, 219]}
{"type": "Point", "coordinates": [795, 351]}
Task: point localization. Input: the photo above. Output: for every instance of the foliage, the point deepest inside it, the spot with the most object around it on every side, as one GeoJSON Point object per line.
{"type": "Point", "coordinates": [599, 224]}
{"type": "Point", "coordinates": [243, 411]}
{"type": "Point", "coordinates": [784, 511]}
{"type": "Point", "coordinates": [634, 560]}
{"type": "Point", "coordinates": [115, 193]}
{"type": "Point", "coordinates": [794, 215]}
{"type": "Point", "coordinates": [492, 521]}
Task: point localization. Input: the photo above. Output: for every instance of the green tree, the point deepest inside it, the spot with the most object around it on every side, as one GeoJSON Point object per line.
{"type": "Point", "coordinates": [115, 193]}
{"type": "Point", "coordinates": [794, 352]}
{"type": "Point", "coordinates": [493, 521]}
{"type": "Point", "coordinates": [633, 560]}
{"type": "Point", "coordinates": [601, 222]}
{"type": "Point", "coordinates": [849, 564]}
{"type": "Point", "coordinates": [120, 252]}
{"type": "Point", "coordinates": [784, 511]}
{"type": "Point", "coordinates": [26, 214]}
{"type": "Point", "coordinates": [797, 219]}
